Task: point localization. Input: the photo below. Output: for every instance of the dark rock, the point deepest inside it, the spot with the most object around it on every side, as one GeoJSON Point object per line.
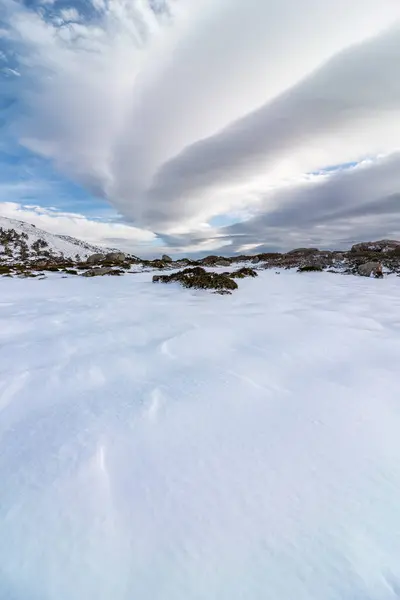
{"type": "Point", "coordinates": [199, 278]}
{"type": "Point", "coordinates": [214, 261]}
{"type": "Point", "coordinates": [242, 273]}
{"type": "Point", "coordinates": [310, 268]}
{"type": "Point", "coordinates": [302, 251]}
{"type": "Point", "coordinates": [166, 258]}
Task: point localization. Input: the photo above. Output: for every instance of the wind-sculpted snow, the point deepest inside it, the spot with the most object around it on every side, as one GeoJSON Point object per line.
{"type": "Point", "coordinates": [162, 444]}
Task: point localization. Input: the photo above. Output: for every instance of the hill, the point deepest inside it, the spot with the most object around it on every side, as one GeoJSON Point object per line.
{"type": "Point", "coordinates": [20, 241]}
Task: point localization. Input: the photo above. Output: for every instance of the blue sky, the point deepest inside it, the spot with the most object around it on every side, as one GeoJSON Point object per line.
{"type": "Point", "coordinates": [181, 146]}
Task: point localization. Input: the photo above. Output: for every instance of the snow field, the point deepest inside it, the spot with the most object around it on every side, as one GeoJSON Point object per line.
{"type": "Point", "coordinates": [163, 444]}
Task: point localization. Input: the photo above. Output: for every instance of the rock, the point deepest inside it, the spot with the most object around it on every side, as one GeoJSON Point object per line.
{"type": "Point", "coordinates": [115, 257]}
{"type": "Point", "coordinates": [379, 246]}
{"type": "Point", "coordinates": [95, 259]}
{"type": "Point", "coordinates": [41, 264]}
{"type": "Point", "coordinates": [157, 264]}
{"type": "Point", "coordinates": [303, 251]}
{"type": "Point", "coordinates": [198, 278]}
{"type": "Point", "coordinates": [101, 271]}
{"type": "Point", "coordinates": [166, 258]}
{"type": "Point", "coordinates": [370, 268]}
{"type": "Point", "coordinates": [242, 273]}
{"type": "Point", "coordinates": [213, 261]}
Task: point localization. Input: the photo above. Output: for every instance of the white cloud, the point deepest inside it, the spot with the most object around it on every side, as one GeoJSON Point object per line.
{"type": "Point", "coordinates": [69, 14]}
{"type": "Point", "coordinates": [203, 107]}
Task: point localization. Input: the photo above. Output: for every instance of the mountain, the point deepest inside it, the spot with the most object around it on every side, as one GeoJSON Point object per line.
{"type": "Point", "coordinates": [20, 240]}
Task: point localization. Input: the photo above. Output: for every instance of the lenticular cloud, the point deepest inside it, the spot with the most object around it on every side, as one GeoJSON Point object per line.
{"type": "Point", "coordinates": [165, 108]}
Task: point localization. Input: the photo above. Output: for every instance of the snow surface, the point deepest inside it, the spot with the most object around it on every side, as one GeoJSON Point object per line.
{"type": "Point", "coordinates": [163, 444]}
{"type": "Point", "coordinates": [57, 244]}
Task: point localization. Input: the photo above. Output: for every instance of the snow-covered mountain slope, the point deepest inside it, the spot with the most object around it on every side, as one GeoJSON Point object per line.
{"type": "Point", "coordinates": [56, 244]}
{"type": "Point", "coordinates": [163, 444]}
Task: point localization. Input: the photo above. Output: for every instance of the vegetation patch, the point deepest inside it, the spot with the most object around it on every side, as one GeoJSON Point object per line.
{"type": "Point", "coordinates": [200, 279]}
{"type": "Point", "coordinates": [242, 273]}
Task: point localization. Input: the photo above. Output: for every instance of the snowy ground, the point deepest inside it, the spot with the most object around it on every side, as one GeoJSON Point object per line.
{"type": "Point", "coordinates": [160, 444]}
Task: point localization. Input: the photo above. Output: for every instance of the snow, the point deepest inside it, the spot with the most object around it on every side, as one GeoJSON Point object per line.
{"type": "Point", "coordinates": [163, 444]}
{"type": "Point", "coordinates": [57, 244]}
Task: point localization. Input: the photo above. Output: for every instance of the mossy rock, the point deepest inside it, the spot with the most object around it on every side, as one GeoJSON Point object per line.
{"type": "Point", "coordinates": [242, 273]}
{"type": "Point", "coordinates": [310, 269]}
{"type": "Point", "coordinates": [200, 279]}
{"type": "Point", "coordinates": [157, 264]}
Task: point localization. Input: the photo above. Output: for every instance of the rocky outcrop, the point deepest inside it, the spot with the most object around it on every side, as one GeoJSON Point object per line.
{"type": "Point", "coordinates": [95, 259]}
{"type": "Point", "coordinates": [165, 258]}
{"type": "Point", "coordinates": [370, 269]}
{"type": "Point", "coordinates": [379, 246]}
{"type": "Point", "coordinates": [115, 257]}
{"type": "Point", "coordinates": [199, 278]}
{"type": "Point", "coordinates": [302, 251]}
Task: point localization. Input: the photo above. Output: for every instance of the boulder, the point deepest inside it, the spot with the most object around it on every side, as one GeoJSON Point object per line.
{"type": "Point", "coordinates": [303, 251]}
{"type": "Point", "coordinates": [115, 257]}
{"type": "Point", "coordinates": [166, 258]}
{"type": "Point", "coordinates": [95, 259]}
{"type": "Point", "coordinates": [379, 246]}
{"type": "Point", "coordinates": [370, 268]}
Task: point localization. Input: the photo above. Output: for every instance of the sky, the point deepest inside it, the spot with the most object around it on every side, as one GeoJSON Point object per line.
{"type": "Point", "coordinates": [196, 126]}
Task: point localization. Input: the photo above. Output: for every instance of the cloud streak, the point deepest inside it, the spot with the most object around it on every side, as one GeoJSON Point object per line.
{"type": "Point", "coordinates": [179, 111]}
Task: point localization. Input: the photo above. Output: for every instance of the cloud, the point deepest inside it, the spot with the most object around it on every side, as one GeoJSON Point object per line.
{"type": "Point", "coordinates": [332, 210]}
{"type": "Point", "coordinates": [179, 111]}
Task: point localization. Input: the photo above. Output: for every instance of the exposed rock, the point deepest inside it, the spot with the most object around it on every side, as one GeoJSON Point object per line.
{"type": "Point", "coordinates": [95, 259]}
{"type": "Point", "coordinates": [303, 251]}
{"type": "Point", "coordinates": [214, 261]}
{"type": "Point", "coordinates": [115, 257]}
{"type": "Point", "coordinates": [101, 271]}
{"type": "Point", "coordinates": [199, 278]}
{"type": "Point", "coordinates": [379, 246]}
{"type": "Point", "coordinates": [370, 268]}
{"type": "Point", "coordinates": [166, 258]}
{"type": "Point", "coordinates": [157, 264]}
{"type": "Point", "coordinates": [242, 273]}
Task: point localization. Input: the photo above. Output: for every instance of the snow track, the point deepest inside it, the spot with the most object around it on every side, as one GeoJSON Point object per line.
{"type": "Point", "coordinates": [161, 444]}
